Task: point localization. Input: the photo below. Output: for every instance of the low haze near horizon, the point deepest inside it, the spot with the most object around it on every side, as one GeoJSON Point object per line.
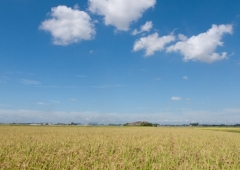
{"type": "Point", "coordinates": [161, 61]}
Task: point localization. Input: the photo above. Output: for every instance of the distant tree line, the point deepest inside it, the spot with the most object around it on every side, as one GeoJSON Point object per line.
{"type": "Point", "coordinates": [139, 123]}
{"type": "Point", "coordinates": [220, 125]}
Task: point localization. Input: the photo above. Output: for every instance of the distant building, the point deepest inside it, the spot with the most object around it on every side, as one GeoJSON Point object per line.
{"type": "Point", "coordinates": [193, 124]}
{"type": "Point", "coordinates": [93, 124]}
{"type": "Point", "coordinates": [138, 123]}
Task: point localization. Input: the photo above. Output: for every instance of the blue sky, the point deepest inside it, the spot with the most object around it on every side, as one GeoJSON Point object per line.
{"type": "Point", "coordinates": [120, 61]}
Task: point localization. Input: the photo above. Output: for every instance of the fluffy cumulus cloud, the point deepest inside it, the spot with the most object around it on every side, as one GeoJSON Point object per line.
{"type": "Point", "coordinates": [120, 13]}
{"type": "Point", "coordinates": [202, 46]}
{"type": "Point", "coordinates": [152, 43]}
{"type": "Point", "coordinates": [146, 27]}
{"type": "Point", "coordinates": [68, 25]}
{"type": "Point", "coordinates": [176, 98]}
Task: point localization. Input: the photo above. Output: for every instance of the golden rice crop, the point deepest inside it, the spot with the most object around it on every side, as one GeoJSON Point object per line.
{"type": "Point", "coordinates": [49, 147]}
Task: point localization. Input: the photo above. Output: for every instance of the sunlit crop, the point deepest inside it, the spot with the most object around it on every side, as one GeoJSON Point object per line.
{"type": "Point", "coordinates": [46, 147]}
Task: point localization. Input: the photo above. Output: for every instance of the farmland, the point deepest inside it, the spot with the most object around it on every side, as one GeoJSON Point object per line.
{"type": "Point", "coordinates": [72, 147]}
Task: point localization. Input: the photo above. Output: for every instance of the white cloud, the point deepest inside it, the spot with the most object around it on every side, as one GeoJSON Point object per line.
{"type": "Point", "coordinates": [107, 86]}
{"type": "Point", "coordinates": [182, 37]}
{"type": "Point", "coordinates": [176, 98]}
{"type": "Point", "coordinates": [185, 77]}
{"type": "Point", "coordinates": [65, 87]}
{"type": "Point", "coordinates": [73, 100]}
{"type": "Point", "coordinates": [68, 25]}
{"type": "Point", "coordinates": [146, 27]}
{"type": "Point", "coordinates": [135, 32]}
{"type": "Point", "coordinates": [30, 82]}
{"type": "Point", "coordinates": [152, 43]}
{"type": "Point", "coordinates": [202, 46]}
{"type": "Point", "coordinates": [41, 103]}
{"type": "Point", "coordinates": [76, 6]}
{"type": "Point", "coordinates": [120, 13]}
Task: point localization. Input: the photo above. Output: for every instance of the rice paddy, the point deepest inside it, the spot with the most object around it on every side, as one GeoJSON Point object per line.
{"type": "Point", "coordinates": [143, 148]}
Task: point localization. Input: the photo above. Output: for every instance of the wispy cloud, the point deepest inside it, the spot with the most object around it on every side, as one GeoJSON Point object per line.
{"type": "Point", "coordinates": [51, 102]}
{"type": "Point", "coordinates": [76, 6]}
{"type": "Point", "coordinates": [4, 79]}
{"type": "Point", "coordinates": [185, 116]}
{"type": "Point", "coordinates": [42, 103]}
{"type": "Point", "coordinates": [108, 86]}
{"type": "Point", "coordinates": [233, 110]}
{"type": "Point", "coordinates": [64, 87]}
{"type": "Point", "coordinates": [30, 82]}
{"type": "Point", "coordinates": [185, 77]}
{"type": "Point", "coordinates": [146, 27]}
{"type": "Point", "coordinates": [188, 100]}
{"type": "Point", "coordinates": [81, 76]}
{"type": "Point", "coordinates": [14, 72]}
{"type": "Point", "coordinates": [176, 98]}
{"type": "Point", "coordinates": [73, 99]}
{"type": "Point", "coordinates": [31, 74]}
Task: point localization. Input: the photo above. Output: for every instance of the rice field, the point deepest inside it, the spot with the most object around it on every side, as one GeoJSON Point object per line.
{"type": "Point", "coordinates": [224, 129]}
{"type": "Point", "coordinates": [113, 148]}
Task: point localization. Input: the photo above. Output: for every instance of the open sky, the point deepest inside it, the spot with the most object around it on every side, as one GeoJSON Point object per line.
{"type": "Point", "coordinates": [118, 61]}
